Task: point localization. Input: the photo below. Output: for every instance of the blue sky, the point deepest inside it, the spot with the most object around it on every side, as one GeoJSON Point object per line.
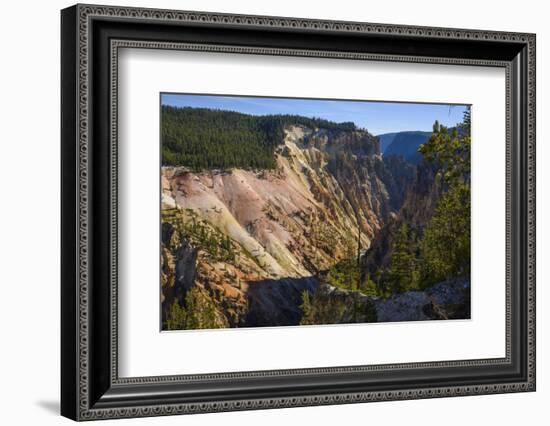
{"type": "Point", "coordinates": [376, 117]}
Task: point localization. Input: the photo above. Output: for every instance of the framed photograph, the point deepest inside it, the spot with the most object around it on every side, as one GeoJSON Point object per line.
{"type": "Point", "coordinates": [263, 212]}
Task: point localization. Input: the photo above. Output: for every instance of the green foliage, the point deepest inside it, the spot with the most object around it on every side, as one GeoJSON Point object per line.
{"type": "Point", "coordinates": [450, 151]}
{"type": "Point", "coordinates": [176, 317]}
{"type": "Point", "coordinates": [306, 309]}
{"type": "Point", "coordinates": [346, 273]}
{"type": "Point", "coordinates": [202, 138]}
{"type": "Point", "coordinates": [402, 268]}
{"type": "Point", "coordinates": [325, 308]}
{"type": "Point", "coordinates": [445, 246]}
{"type": "Point", "coordinates": [369, 287]}
{"type": "Point", "coordinates": [441, 249]}
{"type": "Point", "coordinates": [322, 309]}
{"type": "Point", "coordinates": [203, 235]}
{"type": "Point", "coordinates": [466, 126]}
{"type": "Point", "coordinates": [199, 312]}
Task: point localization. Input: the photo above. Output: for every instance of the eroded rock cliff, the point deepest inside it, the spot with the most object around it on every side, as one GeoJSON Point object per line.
{"type": "Point", "coordinates": [253, 240]}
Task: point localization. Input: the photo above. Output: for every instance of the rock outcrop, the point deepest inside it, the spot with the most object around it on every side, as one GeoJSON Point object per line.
{"type": "Point", "coordinates": [442, 301]}
{"type": "Point", "coordinates": [445, 300]}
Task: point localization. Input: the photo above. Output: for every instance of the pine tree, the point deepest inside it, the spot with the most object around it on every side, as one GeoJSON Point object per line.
{"type": "Point", "coordinates": [445, 246]}
{"type": "Point", "coordinates": [402, 261]}
{"type": "Point", "coordinates": [449, 152]}
{"type": "Point", "coordinates": [201, 311]}
{"type": "Point", "coordinates": [192, 321]}
{"type": "Point", "coordinates": [176, 317]}
{"type": "Point", "coordinates": [369, 287]}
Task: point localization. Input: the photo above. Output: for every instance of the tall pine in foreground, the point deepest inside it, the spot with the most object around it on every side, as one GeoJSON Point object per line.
{"type": "Point", "coordinates": [445, 246]}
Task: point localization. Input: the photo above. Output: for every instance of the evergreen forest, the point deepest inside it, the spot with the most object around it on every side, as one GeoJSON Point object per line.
{"type": "Point", "coordinates": [203, 139]}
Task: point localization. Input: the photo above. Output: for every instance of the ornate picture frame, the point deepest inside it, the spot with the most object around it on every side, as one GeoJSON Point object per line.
{"type": "Point", "coordinates": [91, 37]}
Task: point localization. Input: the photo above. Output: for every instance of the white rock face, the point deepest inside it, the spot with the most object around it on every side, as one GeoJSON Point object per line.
{"type": "Point", "coordinates": [167, 202]}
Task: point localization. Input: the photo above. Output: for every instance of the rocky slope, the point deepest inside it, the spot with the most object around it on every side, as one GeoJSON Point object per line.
{"type": "Point", "coordinates": [442, 301]}
{"type": "Point", "coordinates": [253, 240]}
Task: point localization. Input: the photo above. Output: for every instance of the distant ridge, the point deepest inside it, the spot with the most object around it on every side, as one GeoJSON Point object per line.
{"type": "Point", "coordinates": [404, 144]}
{"type": "Point", "coordinates": [385, 140]}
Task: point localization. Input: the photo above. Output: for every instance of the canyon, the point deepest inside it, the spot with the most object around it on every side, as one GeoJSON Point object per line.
{"type": "Point", "coordinates": [251, 243]}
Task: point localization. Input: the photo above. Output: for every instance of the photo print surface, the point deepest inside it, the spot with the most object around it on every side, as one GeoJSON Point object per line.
{"type": "Point", "coordinates": [299, 212]}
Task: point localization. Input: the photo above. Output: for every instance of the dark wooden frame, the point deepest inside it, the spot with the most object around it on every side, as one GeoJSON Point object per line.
{"type": "Point", "coordinates": [90, 386]}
